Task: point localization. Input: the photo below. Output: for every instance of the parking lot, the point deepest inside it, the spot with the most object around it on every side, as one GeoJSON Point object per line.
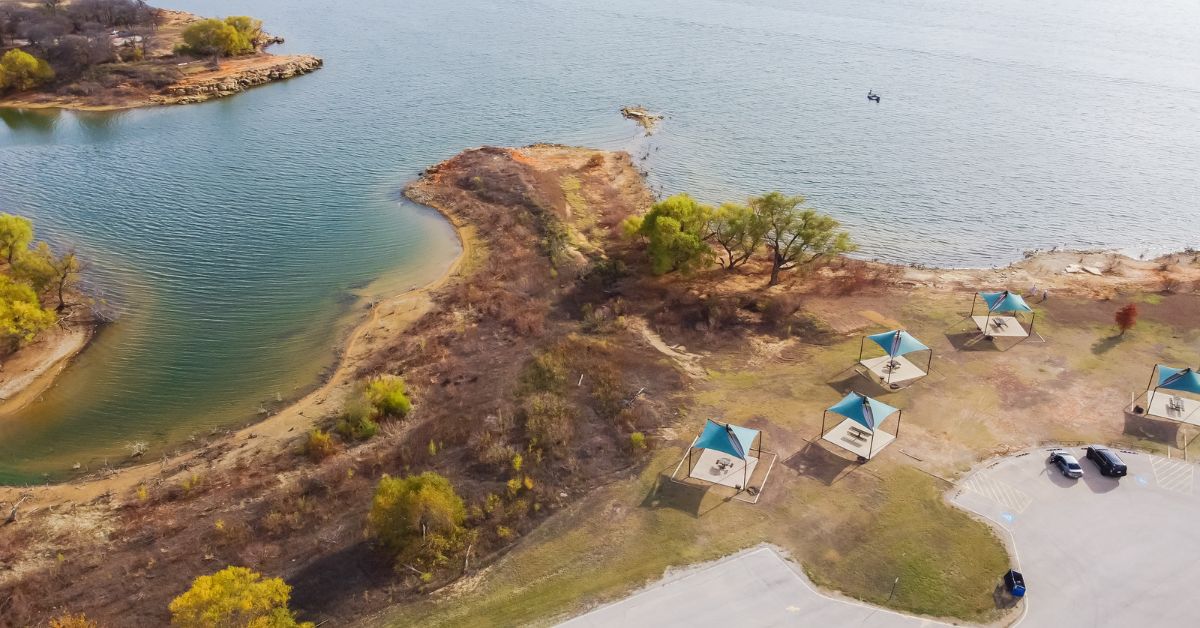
{"type": "Point", "coordinates": [754, 588]}
{"type": "Point", "coordinates": [1097, 551]}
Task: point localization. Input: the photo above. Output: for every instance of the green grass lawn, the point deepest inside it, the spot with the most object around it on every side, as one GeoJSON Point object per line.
{"type": "Point", "coordinates": [857, 536]}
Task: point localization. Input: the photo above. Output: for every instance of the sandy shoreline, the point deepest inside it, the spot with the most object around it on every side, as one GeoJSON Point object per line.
{"type": "Point", "coordinates": [389, 317]}
{"type": "Point", "coordinates": [34, 370]}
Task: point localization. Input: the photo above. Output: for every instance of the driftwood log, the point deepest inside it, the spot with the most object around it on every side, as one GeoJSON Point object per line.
{"type": "Point", "coordinates": [12, 514]}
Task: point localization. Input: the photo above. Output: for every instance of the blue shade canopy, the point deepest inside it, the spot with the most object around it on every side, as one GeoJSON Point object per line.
{"type": "Point", "coordinates": [898, 342]}
{"type": "Point", "coordinates": [734, 440]}
{"type": "Point", "coordinates": [1186, 380]}
{"type": "Point", "coordinates": [863, 410]}
{"type": "Point", "coordinates": [1005, 302]}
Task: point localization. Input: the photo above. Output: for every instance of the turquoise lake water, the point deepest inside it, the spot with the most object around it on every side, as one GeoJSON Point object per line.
{"type": "Point", "coordinates": [234, 237]}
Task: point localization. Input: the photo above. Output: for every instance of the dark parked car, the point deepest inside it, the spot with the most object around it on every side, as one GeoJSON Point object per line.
{"type": "Point", "coordinates": [1107, 461]}
{"type": "Point", "coordinates": [1066, 463]}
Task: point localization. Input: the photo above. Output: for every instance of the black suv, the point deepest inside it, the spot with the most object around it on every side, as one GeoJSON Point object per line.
{"type": "Point", "coordinates": [1107, 461]}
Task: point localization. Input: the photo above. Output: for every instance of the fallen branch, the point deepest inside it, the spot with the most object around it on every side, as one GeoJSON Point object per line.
{"type": "Point", "coordinates": [413, 569]}
{"type": "Point", "coordinates": [12, 514]}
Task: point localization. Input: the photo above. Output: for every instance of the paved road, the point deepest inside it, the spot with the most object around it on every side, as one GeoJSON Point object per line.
{"type": "Point", "coordinates": [1096, 551]}
{"type": "Point", "coordinates": [756, 588]}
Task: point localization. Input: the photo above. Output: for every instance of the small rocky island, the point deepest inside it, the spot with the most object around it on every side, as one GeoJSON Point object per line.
{"type": "Point", "coordinates": [119, 54]}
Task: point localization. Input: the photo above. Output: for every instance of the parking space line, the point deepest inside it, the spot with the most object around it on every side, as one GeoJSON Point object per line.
{"type": "Point", "coordinates": [1003, 494]}
{"type": "Point", "coordinates": [1173, 475]}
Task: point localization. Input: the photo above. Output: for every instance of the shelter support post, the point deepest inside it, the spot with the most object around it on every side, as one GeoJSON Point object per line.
{"type": "Point", "coordinates": [1150, 399]}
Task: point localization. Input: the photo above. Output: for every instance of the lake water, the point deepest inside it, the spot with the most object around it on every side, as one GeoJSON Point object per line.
{"type": "Point", "coordinates": [233, 236]}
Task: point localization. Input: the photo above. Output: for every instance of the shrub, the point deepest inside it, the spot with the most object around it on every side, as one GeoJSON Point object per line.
{"type": "Point", "coordinates": [20, 71]}
{"type": "Point", "coordinates": [319, 445]}
{"type": "Point", "coordinates": [388, 395]}
{"type": "Point", "coordinates": [1126, 317]}
{"type": "Point", "coordinates": [608, 396]}
{"type": "Point", "coordinates": [357, 428]}
{"type": "Point", "coordinates": [547, 372]}
{"type": "Point", "coordinates": [358, 419]}
{"type": "Point", "coordinates": [211, 38]}
{"type": "Point", "coordinates": [22, 316]}
{"type": "Point", "coordinates": [249, 28]}
{"type": "Point", "coordinates": [549, 419]}
{"type": "Point", "coordinates": [193, 482]}
{"type": "Point", "coordinates": [73, 621]}
{"type": "Point", "coordinates": [637, 440]}
{"type": "Point", "coordinates": [490, 449]}
{"type": "Point", "coordinates": [675, 230]}
{"type": "Point", "coordinates": [419, 518]}
{"type": "Point", "coordinates": [235, 596]}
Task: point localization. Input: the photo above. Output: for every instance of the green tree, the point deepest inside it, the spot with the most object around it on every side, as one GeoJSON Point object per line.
{"type": "Point", "coordinates": [22, 316]}
{"type": "Point", "coordinates": [249, 28]}
{"type": "Point", "coordinates": [797, 235]}
{"type": "Point", "coordinates": [389, 395]}
{"type": "Point", "coordinates": [676, 230]}
{"type": "Point", "coordinates": [739, 231]}
{"type": "Point", "coordinates": [20, 71]}
{"type": "Point", "coordinates": [43, 269]}
{"type": "Point", "coordinates": [214, 38]}
{"type": "Point", "coordinates": [419, 518]}
{"type": "Point", "coordinates": [16, 232]}
{"type": "Point", "coordinates": [35, 267]}
{"type": "Point", "coordinates": [235, 597]}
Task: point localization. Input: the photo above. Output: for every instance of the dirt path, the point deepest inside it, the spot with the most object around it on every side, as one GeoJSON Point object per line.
{"type": "Point", "coordinates": [689, 362]}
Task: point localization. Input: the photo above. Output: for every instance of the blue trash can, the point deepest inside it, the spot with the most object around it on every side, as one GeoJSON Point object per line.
{"type": "Point", "coordinates": [1015, 583]}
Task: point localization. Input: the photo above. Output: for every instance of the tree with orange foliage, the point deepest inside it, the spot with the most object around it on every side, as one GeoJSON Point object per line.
{"type": "Point", "coordinates": [1126, 317]}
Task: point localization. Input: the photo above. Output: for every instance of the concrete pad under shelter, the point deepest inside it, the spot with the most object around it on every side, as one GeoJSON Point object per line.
{"type": "Point", "coordinates": [1000, 326]}
{"type": "Point", "coordinates": [842, 435]}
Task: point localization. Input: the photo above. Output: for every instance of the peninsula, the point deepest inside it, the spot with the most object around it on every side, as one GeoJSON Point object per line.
{"type": "Point", "coordinates": [101, 55]}
{"type": "Point", "coordinates": [44, 320]}
{"type": "Point", "coordinates": [534, 402]}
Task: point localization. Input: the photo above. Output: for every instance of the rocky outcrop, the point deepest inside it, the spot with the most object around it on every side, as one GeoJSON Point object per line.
{"type": "Point", "coordinates": [238, 78]}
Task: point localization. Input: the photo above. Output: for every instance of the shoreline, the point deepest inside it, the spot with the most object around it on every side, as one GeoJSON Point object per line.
{"type": "Point", "coordinates": [1042, 266]}
{"type": "Point", "coordinates": [234, 76]}
{"type": "Point", "coordinates": [392, 314]}
{"type": "Point", "coordinates": [41, 363]}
